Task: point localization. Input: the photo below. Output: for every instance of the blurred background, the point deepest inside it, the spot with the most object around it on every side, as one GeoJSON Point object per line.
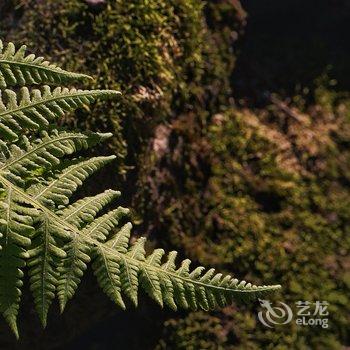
{"type": "Point", "coordinates": [233, 140]}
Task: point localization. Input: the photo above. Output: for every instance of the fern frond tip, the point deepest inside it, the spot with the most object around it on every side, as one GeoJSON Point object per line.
{"type": "Point", "coordinates": [14, 328]}
{"type": "Point", "coordinates": [104, 136]}
{"type": "Point", "coordinates": [17, 68]}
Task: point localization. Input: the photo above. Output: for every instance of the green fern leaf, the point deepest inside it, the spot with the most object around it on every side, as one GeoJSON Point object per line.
{"type": "Point", "coordinates": [18, 69]}
{"type": "Point", "coordinates": [44, 258]}
{"type": "Point", "coordinates": [55, 239]}
{"type": "Point", "coordinates": [107, 271]}
{"type": "Point", "coordinates": [16, 227]}
{"type": "Point", "coordinates": [121, 270]}
{"type": "Point", "coordinates": [85, 210]}
{"type": "Point", "coordinates": [58, 190]}
{"type": "Point", "coordinates": [36, 109]}
{"type": "Point", "coordinates": [149, 278]}
{"type": "Point", "coordinates": [72, 269]}
{"type": "Point", "coordinates": [44, 153]}
{"type": "Point", "coordinates": [107, 266]}
{"type": "Point", "coordinates": [79, 250]}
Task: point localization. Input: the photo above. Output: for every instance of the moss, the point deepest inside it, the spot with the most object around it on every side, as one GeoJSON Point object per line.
{"type": "Point", "coordinates": [163, 60]}
{"type": "Point", "coordinates": [275, 208]}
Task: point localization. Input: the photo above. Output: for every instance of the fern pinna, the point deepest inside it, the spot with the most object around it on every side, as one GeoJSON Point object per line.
{"type": "Point", "coordinates": [52, 239]}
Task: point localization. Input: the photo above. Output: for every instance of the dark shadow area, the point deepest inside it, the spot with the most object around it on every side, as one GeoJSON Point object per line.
{"type": "Point", "coordinates": [291, 43]}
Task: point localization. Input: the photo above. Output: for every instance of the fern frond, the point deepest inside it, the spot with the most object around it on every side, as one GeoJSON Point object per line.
{"type": "Point", "coordinates": [36, 109]}
{"type": "Point", "coordinates": [122, 269]}
{"type": "Point", "coordinates": [85, 210]}
{"type": "Point", "coordinates": [79, 250]}
{"type": "Point", "coordinates": [55, 239]}
{"type": "Point", "coordinates": [124, 266]}
{"type": "Point", "coordinates": [45, 256]}
{"type": "Point", "coordinates": [44, 153]}
{"type": "Point", "coordinates": [16, 227]}
{"type": "Point", "coordinates": [72, 269]}
{"type": "Point", "coordinates": [60, 189]}
{"type": "Point", "coordinates": [17, 68]}
{"type": "Point", "coordinates": [99, 229]}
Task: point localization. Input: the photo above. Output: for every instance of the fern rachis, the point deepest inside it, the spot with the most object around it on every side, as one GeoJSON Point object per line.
{"type": "Point", "coordinates": [54, 239]}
